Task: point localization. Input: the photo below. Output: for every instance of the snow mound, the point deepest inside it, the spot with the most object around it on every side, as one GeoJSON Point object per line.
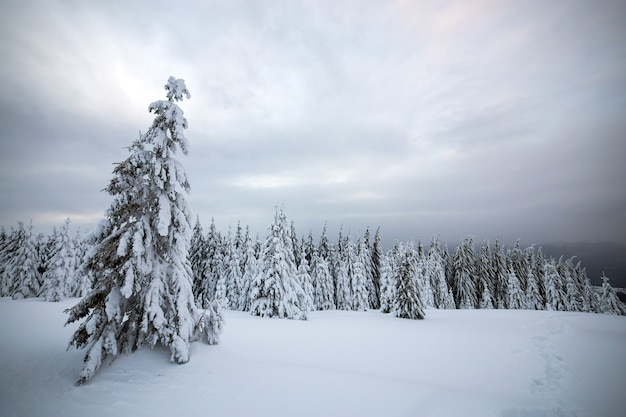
{"type": "Point", "coordinates": [509, 363]}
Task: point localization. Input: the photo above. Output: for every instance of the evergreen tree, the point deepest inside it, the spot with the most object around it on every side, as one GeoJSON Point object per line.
{"type": "Point", "coordinates": [442, 295]}
{"type": "Point", "coordinates": [388, 277]}
{"type": "Point", "coordinates": [8, 246]}
{"type": "Point", "coordinates": [376, 255]}
{"type": "Point", "coordinates": [323, 296]}
{"type": "Point", "coordinates": [573, 295]}
{"type": "Point", "coordinates": [485, 299]}
{"type": "Point", "coordinates": [500, 274]}
{"type": "Point", "coordinates": [609, 302]}
{"type": "Point", "coordinates": [358, 256]}
{"type": "Point", "coordinates": [517, 299]}
{"type": "Point", "coordinates": [539, 273]}
{"type": "Point", "coordinates": [234, 274]}
{"type": "Point", "coordinates": [61, 268]}
{"type": "Point", "coordinates": [407, 303]}
{"type": "Point", "coordinates": [250, 273]}
{"type": "Point", "coordinates": [485, 277]}
{"type": "Point", "coordinates": [22, 271]}
{"type": "Point", "coordinates": [534, 300]}
{"type": "Point", "coordinates": [463, 284]}
{"type": "Point", "coordinates": [303, 279]}
{"type": "Point", "coordinates": [294, 243]}
{"type": "Point", "coordinates": [343, 290]}
{"type": "Point", "coordinates": [275, 291]}
{"type": "Point", "coordinates": [589, 295]}
{"type": "Point", "coordinates": [205, 286]}
{"type": "Point", "coordinates": [418, 257]}
{"type": "Point", "coordinates": [517, 261]}
{"type": "Point", "coordinates": [82, 279]}
{"type": "Point", "coordinates": [197, 257]}
{"type": "Point", "coordinates": [552, 285]}
{"type": "Point", "coordinates": [142, 290]}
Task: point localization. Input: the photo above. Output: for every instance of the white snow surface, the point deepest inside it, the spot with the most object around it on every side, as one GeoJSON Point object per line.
{"type": "Point", "coordinates": [454, 363]}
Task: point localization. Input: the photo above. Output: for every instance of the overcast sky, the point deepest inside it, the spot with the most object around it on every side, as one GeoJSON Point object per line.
{"type": "Point", "coordinates": [488, 118]}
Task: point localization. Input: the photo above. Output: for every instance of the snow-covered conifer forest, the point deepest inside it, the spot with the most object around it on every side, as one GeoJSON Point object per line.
{"type": "Point", "coordinates": [286, 275]}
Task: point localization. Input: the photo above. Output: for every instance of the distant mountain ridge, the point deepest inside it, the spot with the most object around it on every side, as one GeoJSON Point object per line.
{"type": "Point", "coordinates": [595, 257]}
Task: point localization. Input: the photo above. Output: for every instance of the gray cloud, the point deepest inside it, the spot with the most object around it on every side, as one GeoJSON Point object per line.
{"type": "Point", "coordinates": [486, 118]}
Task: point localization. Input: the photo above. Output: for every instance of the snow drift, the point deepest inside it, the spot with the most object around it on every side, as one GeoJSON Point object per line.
{"type": "Point", "coordinates": [338, 363]}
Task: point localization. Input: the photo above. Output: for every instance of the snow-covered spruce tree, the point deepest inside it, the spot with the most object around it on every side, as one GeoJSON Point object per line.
{"type": "Point", "coordinates": [436, 273]}
{"type": "Point", "coordinates": [250, 271]}
{"type": "Point", "coordinates": [573, 293]}
{"type": "Point", "coordinates": [376, 256]}
{"type": "Point", "coordinates": [8, 246]}
{"type": "Point", "coordinates": [197, 256]}
{"type": "Point", "coordinates": [23, 267]}
{"type": "Point", "coordinates": [358, 255]}
{"type": "Point", "coordinates": [142, 289]}
{"type": "Point", "coordinates": [517, 261]}
{"type": "Point", "coordinates": [323, 287]}
{"type": "Point", "coordinates": [275, 291]}
{"type": "Point", "coordinates": [484, 277]}
{"type": "Point", "coordinates": [589, 295]}
{"type": "Point", "coordinates": [421, 274]}
{"type": "Point", "coordinates": [389, 273]}
{"type": "Point", "coordinates": [552, 285]}
{"type": "Point", "coordinates": [81, 282]}
{"type": "Point", "coordinates": [61, 267]}
{"type": "Point", "coordinates": [234, 274]}
{"type": "Point", "coordinates": [205, 284]}
{"type": "Point", "coordinates": [609, 303]}
{"type": "Point", "coordinates": [303, 278]}
{"type": "Point", "coordinates": [407, 303]}
{"type": "Point", "coordinates": [500, 276]}
{"type": "Point", "coordinates": [463, 283]}
{"type": "Point", "coordinates": [343, 289]}
{"type": "Point", "coordinates": [534, 300]}
{"type": "Point", "coordinates": [517, 299]}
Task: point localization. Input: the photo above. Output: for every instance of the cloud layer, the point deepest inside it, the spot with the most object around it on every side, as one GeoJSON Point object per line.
{"type": "Point", "coordinates": [485, 117]}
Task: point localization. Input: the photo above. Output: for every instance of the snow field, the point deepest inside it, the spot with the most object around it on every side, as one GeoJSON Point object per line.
{"type": "Point", "coordinates": [510, 363]}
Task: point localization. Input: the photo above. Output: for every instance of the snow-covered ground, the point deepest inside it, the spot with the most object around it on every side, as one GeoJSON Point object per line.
{"type": "Point", "coordinates": [454, 363]}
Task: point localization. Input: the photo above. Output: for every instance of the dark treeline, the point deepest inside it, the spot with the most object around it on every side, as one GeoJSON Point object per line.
{"type": "Point", "coordinates": [287, 275]}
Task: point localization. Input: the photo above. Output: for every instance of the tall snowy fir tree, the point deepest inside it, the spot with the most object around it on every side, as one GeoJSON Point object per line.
{"type": "Point", "coordinates": [407, 302]}
{"type": "Point", "coordinates": [436, 272]}
{"type": "Point", "coordinates": [376, 256]}
{"type": "Point", "coordinates": [205, 285]}
{"type": "Point", "coordinates": [343, 290]}
{"type": "Point", "coordinates": [142, 289]}
{"type": "Point", "coordinates": [552, 285]}
{"type": "Point", "coordinates": [323, 286]}
{"type": "Point", "coordinates": [250, 272]}
{"type": "Point", "coordinates": [234, 274]}
{"type": "Point", "coordinates": [61, 267]}
{"type": "Point", "coordinates": [517, 261]}
{"type": "Point", "coordinates": [500, 276]}
{"type": "Point", "coordinates": [81, 282]}
{"type": "Point", "coordinates": [533, 297]}
{"type": "Point", "coordinates": [303, 278]}
{"type": "Point", "coordinates": [517, 299]}
{"type": "Point", "coordinates": [484, 277]}
{"type": "Point", "coordinates": [22, 270]}
{"type": "Point", "coordinates": [358, 257]}
{"type": "Point", "coordinates": [609, 303]}
{"type": "Point", "coordinates": [197, 256]}
{"type": "Point", "coordinates": [418, 257]}
{"type": "Point", "coordinates": [463, 283]}
{"type": "Point", "coordinates": [275, 291]}
{"type": "Point", "coordinates": [7, 250]}
{"type": "Point", "coordinates": [388, 275]}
